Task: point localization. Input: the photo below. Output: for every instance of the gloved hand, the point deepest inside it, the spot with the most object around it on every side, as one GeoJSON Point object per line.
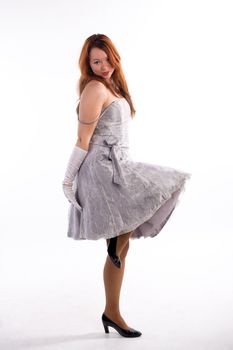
{"type": "Point", "coordinates": [76, 158]}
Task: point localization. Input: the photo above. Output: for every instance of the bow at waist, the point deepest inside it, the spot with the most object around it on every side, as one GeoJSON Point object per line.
{"type": "Point", "coordinates": [118, 177]}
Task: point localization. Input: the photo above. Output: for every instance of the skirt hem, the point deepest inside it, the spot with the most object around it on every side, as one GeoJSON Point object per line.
{"type": "Point", "coordinates": [180, 188]}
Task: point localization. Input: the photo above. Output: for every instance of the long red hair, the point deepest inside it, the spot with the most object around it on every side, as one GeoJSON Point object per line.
{"type": "Point", "coordinates": [119, 86]}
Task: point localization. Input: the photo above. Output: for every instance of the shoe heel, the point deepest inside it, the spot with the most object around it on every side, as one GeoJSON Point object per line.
{"type": "Point", "coordinates": [129, 333]}
{"type": "Point", "coordinates": [106, 329]}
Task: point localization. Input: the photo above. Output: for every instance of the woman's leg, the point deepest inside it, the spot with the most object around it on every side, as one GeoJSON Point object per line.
{"type": "Point", "coordinates": [122, 241]}
{"type": "Point", "coordinates": [113, 278]}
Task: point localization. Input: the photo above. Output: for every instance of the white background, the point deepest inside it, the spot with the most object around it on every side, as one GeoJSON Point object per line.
{"type": "Point", "coordinates": [177, 57]}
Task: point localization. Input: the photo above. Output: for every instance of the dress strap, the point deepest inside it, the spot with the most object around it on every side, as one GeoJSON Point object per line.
{"type": "Point", "coordinates": [93, 121]}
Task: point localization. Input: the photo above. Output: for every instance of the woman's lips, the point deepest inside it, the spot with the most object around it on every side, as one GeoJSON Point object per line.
{"type": "Point", "coordinates": [105, 73]}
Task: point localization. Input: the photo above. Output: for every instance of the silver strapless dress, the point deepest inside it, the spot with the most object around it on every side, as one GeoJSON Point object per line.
{"type": "Point", "coordinates": [118, 194]}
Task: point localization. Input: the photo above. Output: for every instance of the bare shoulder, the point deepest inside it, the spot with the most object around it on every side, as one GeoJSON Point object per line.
{"type": "Point", "coordinates": [94, 89]}
{"type": "Point", "coordinates": [92, 101]}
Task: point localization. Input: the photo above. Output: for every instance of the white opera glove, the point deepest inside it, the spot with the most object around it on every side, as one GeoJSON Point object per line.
{"type": "Point", "coordinates": [76, 158]}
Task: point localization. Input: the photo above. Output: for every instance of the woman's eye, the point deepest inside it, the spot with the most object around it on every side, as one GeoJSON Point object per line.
{"type": "Point", "coordinates": [96, 62]}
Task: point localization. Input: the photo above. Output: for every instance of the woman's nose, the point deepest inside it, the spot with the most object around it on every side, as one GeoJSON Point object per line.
{"type": "Point", "coordinates": [104, 66]}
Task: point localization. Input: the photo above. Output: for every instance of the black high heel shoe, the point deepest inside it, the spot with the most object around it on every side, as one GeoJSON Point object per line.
{"type": "Point", "coordinates": [129, 333]}
{"type": "Point", "coordinates": [112, 252]}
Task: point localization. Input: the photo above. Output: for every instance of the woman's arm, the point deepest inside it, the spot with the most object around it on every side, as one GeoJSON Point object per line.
{"type": "Point", "coordinates": [91, 103]}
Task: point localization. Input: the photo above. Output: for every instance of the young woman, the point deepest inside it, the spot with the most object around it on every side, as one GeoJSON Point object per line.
{"type": "Point", "coordinates": [111, 196]}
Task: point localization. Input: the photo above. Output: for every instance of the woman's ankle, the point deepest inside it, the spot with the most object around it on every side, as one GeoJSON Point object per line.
{"type": "Point", "coordinates": [109, 312]}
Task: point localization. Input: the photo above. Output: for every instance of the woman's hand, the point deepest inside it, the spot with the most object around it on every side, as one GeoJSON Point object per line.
{"type": "Point", "coordinates": [69, 193]}
{"type": "Point", "coordinates": [76, 158]}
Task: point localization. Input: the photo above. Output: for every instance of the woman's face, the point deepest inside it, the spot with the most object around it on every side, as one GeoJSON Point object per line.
{"type": "Point", "coordinates": [100, 64]}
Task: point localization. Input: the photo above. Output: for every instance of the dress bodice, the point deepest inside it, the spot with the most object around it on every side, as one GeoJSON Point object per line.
{"type": "Point", "coordinates": [113, 124]}
{"type": "Point", "coordinates": [109, 144]}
